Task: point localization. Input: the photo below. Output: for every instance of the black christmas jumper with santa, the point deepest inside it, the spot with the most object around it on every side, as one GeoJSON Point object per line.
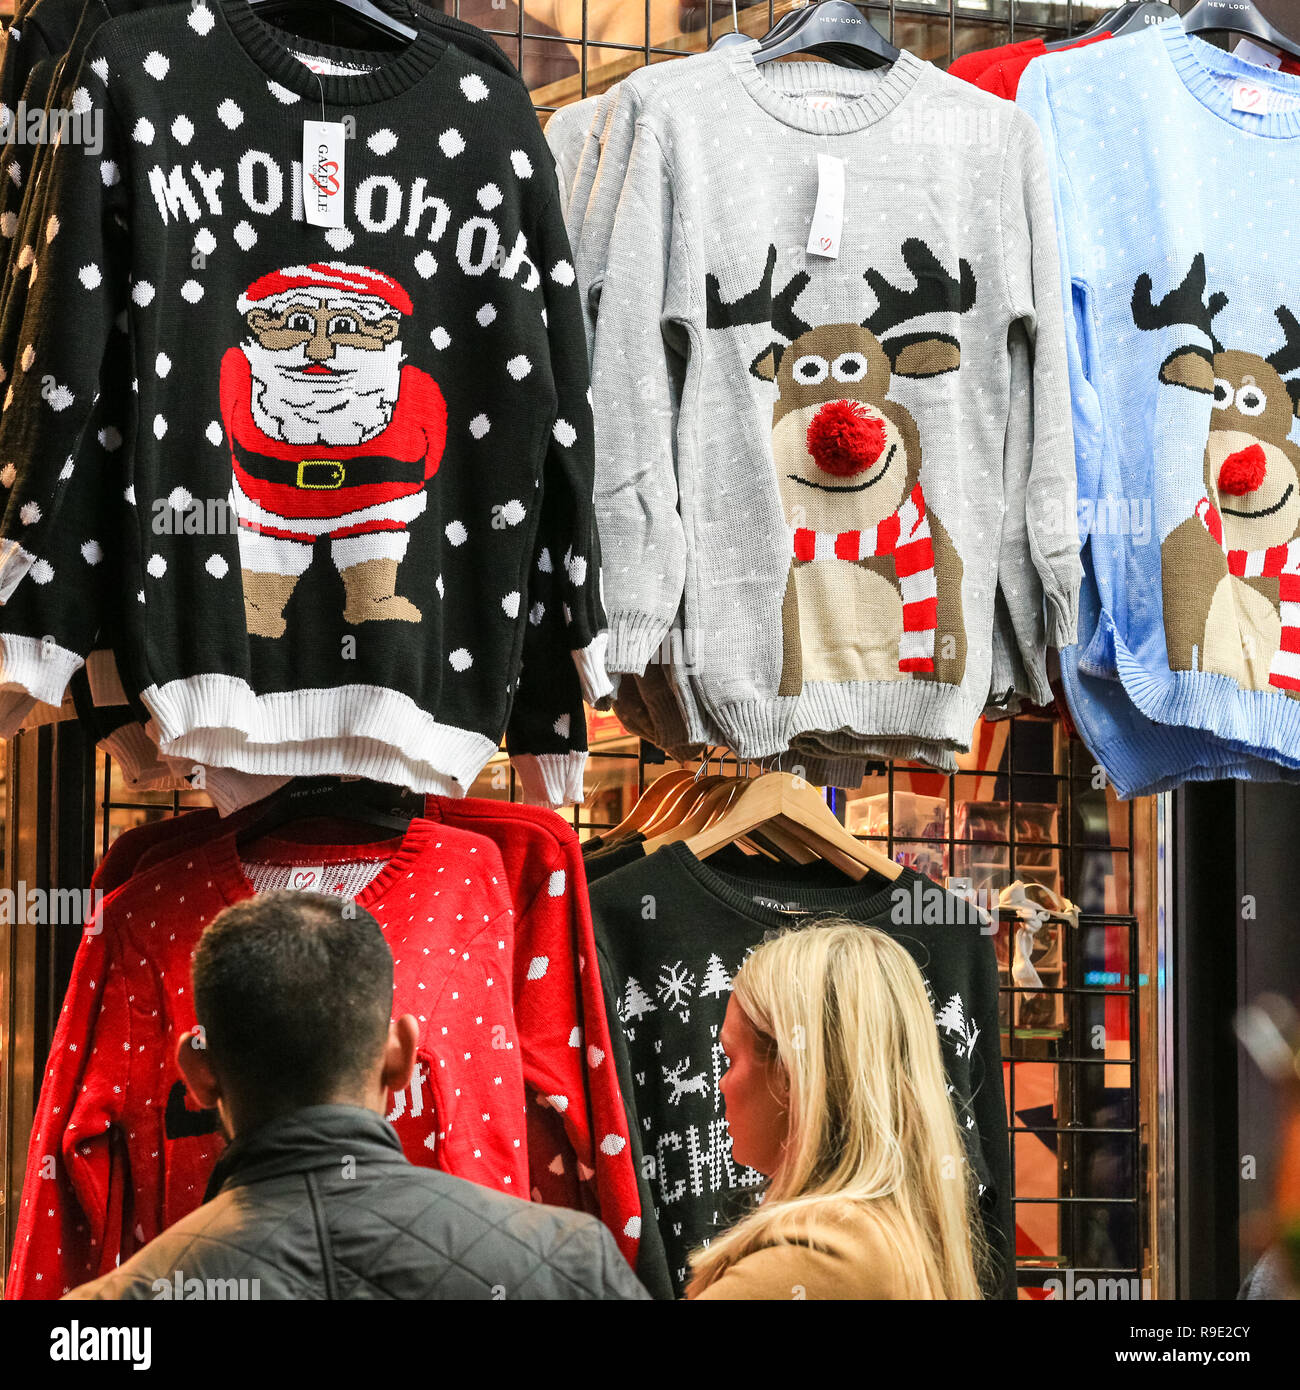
{"type": "Point", "coordinates": [358, 458]}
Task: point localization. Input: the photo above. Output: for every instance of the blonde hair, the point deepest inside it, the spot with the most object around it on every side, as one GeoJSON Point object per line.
{"type": "Point", "coordinates": [843, 1009]}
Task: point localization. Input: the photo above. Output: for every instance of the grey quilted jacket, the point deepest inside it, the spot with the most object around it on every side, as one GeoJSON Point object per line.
{"type": "Point", "coordinates": [324, 1205]}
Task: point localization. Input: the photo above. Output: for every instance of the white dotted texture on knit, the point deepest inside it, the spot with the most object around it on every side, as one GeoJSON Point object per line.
{"type": "Point", "coordinates": [183, 130]}
{"type": "Point", "coordinates": [245, 236]}
{"type": "Point", "coordinates": [451, 143]}
{"type": "Point", "coordinates": [479, 426]}
{"type": "Point", "coordinates": [460, 660]}
{"type": "Point", "coordinates": [143, 132]}
{"type": "Point", "coordinates": [204, 242]}
{"type": "Point", "coordinates": [522, 165]}
{"type": "Point", "coordinates": [440, 338]}
{"type": "Point", "coordinates": [201, 20]}
{"type": "Point", "coordinates": [382, 142]}
{"type": "Point", "coordinates": [230, 114]}
{"type": "Point", "coordinates": [157, 65]}
{"type": "Point", "coordinates": [456, 532]}
{"type": "Point", "coordinates": [474, 87]}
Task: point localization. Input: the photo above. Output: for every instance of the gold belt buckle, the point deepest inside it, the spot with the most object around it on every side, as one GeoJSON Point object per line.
{"type": "Point", "coordinates": [336, 473]}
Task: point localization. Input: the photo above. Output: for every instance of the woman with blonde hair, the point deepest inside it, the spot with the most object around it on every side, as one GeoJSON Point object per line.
{"type": "Point", "coordinates": [836, 1093]}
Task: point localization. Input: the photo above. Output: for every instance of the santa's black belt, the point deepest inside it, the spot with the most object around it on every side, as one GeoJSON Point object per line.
{"type": "Point", "coordinates": [328, 474]}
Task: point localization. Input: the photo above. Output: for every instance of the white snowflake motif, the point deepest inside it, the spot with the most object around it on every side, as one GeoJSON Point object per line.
{"type": "Point", "coordinates": [676, 986]}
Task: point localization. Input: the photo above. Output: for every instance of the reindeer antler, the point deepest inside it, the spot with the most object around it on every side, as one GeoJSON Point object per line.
{"type": "Point", "coordinates": [1186, 304]}
{"type": "Point", "coordinates": [1287, 357]}
{"type": "Point", "coordinates": [935, 289]}
{"type": "Point", "coordinates": [754, 307]}
{"type": "Point", "coordinates": [758, 305]}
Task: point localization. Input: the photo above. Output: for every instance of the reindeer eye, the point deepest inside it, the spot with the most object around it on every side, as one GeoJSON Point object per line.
{"type": "Point", "coordinates": [811, 370]}
{"type": "Point", "coordinates": [849, 366]}
{"type": "Point", "coordinates": [1222, 393]}
{"type": "Point", "coordinates": [1251, 400]}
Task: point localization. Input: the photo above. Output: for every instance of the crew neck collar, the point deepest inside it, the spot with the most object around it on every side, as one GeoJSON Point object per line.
{"type": "Point", "coordinates": [862, 901]}
{"type": "Point", "coordinates": [228, 869]}
{"type": "Point", "coordinates": [1196, 63]}
{"type": "Point", "coordinates": [781, 89]}
{"type": "Point", "coordinates": [271, 49]}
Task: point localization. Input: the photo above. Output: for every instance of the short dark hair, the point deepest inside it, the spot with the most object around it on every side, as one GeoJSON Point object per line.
{"type": "Point", "coordinates": [294, 992]}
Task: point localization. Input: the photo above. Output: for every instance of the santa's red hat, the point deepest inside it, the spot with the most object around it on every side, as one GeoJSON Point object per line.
{"type": "Point", "coordinates": [331, 279]}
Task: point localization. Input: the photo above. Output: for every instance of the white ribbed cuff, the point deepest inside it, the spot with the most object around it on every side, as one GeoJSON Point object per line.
{"type": "Point", "coordinates": [634, 641]}
{"type": "Point", "coordinates": [551, 779]}
{"type": "Point", "coordinates": [597, 687]}
{"type": "Point", "coordinates": [37, 665]}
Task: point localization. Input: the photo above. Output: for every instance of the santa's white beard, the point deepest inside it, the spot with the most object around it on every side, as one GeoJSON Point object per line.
{"type": "Point", "coordinates": [353, 404]}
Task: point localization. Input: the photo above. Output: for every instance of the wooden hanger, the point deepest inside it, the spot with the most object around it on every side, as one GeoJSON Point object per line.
{"type": "Point", "coordinates": [788, 803]}
{"type": "Point", "coordinates": [647, 804]}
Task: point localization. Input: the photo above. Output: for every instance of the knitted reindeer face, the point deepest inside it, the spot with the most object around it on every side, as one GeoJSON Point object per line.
{"type": "Point", "coordinates": [1252, 470]}
{"type": "Point", "coordinates": [845, 455]}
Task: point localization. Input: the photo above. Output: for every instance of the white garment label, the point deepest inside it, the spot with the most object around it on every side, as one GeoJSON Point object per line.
{"type": "Point", "coordinates": [824, 103]}
{"type": "Point", "coordinates": [306, 878]}
{"type": "Point", "coordinates": [1262, 101]}
{"type": "Point", "coordinates": [322, 165]}
{"type": "Point", "coordinates": [828, 216]}
{"type": "Point", "coordinates": [1250, 52]}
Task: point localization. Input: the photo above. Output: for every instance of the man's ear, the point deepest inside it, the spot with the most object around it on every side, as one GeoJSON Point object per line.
{"type": "Point", "coordinates": [386, 329]}
{"type": "Point", "coordinates": [259, 320]}
{"type": "Point", "coordinates": [399, 1052]}
{"type": "Point", "coordinates": [193, 1062]}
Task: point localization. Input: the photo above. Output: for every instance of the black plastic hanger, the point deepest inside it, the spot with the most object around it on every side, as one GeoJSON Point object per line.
{"type": "Point", "coordinates": [834, 29]}
{"type": "Point", "coordinates": [1237, 17]}
{"type": "Point", "coordinates": [736, 35]}
{"type": "Point", "coordinates": [1128, 19]}
{"type": "Point", "coordinates": [365, 11]}
{"type": "Point", "coordinates": [311, 798]}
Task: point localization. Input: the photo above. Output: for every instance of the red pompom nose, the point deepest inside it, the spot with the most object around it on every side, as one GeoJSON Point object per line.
{"type": "Point", "coordinates": [845, 438]}
{"type": "Point", "coordinates": [1243, 471]}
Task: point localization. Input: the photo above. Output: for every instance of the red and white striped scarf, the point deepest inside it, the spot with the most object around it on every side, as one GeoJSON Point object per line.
{"type": "Point", "coordinates": [904, 534]}
{"type": "Point", "coordinates": [1280, 562]}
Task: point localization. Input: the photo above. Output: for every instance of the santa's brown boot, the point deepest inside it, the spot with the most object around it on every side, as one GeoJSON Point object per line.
{"type": "Point", "coordinates": [264, 598]}
{"type": "Point", "coordinates": [370, 589]}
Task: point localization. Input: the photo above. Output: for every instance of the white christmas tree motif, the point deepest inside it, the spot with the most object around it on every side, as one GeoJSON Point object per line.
{"type": "Point", "coordinates": [676, 985]}
{"type": "Point", "coordinates": [952, 1019]}
{"type": "Point", "coordinates": [716, 980]}
{"type": "Point", "coordinates": [636, 1002]}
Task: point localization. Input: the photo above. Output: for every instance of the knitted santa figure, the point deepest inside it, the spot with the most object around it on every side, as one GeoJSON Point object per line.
{"type": "Point", "coordinates": [330, 436]}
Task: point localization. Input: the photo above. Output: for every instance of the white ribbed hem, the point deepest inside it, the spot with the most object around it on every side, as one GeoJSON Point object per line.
{"type": "Point", "coordinates": [228, 791]}
{"type": "Point", "coordinates": [14, 564]}
{"type": "Point", "coordinates": [36, 665]}
{"type": "Point", "coordinates": [634, 641]}
{"type": "Point", "coordinates": [357, 730]}
{"type": "Point", "coordinates": [593, 673]}
{"type": "Point", "coordinates": [551, 779]}
{"type": "Point", "coordinates": [137, 761]}
{"type": "Point", "coordinates": [106, 688]}
{"type": "Point", "coordinates": [926, 710]}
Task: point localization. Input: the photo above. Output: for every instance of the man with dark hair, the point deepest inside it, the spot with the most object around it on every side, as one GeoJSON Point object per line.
{"type": "Point", "coordinates": [314, 1198]}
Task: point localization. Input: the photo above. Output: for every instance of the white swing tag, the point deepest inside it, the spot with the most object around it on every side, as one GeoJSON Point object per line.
{"type": "Point", "coordinates": [322, 167]}
{"type": "Point", "coordinates": [828, 216]}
